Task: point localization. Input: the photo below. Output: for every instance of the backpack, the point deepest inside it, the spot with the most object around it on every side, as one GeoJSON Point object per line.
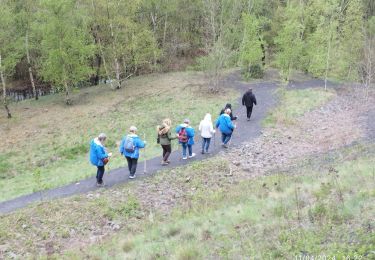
{"type": "Point", "coordinates": [182, 136]}
{"type": "Point", "coordinates": [129, 145]}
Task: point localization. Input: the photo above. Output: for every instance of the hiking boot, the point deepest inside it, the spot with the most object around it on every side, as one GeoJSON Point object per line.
{"type": "Point", "coordinates": [225, 145]}
{"type": "Point", "coordinates": [207, 152]}
{"type": "Point", "coordinates": [168, 162]}
{"type": "Point", "coordinates": [248, 119]}
{"type": "Point", "coordinates": [100, 184]}
{"type": "Point", "coordinates": [192, 155]}
{"type": "Point", "coordinates": [131, 176]}
{"type": "Point", "coordinates": [202, 152]}
{"type": "Point", "coordinates": [184, 158]}
{"type": "Point", "coordinates": [164, 163]}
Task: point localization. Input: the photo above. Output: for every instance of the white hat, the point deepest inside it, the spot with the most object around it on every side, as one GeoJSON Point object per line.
{"type": "Point", "coordinates": [133, 129]}
{"type": "Point", "coordinates": [102, 136]}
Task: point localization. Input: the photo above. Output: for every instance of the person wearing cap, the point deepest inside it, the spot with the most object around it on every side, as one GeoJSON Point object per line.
{"type": "Point", "coordinates": [99, 157]}
{"type": "Point", "coordinates": [186, 138]}
{"type": "Point", "coordinates": [129, 148]}
{"type": "Point", "coordinates": [165, 140]}
{"type": "Point", "coordinates": [249, 100]}
{"type": "Point", "coordinates": [226, 127]}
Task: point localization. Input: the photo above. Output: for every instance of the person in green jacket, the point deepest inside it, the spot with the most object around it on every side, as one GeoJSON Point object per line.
{"type": "Point", "coordinates": [164, 139]}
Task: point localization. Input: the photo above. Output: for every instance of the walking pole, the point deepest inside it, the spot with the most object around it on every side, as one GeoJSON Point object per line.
{"type": "Point", "coordinates": [230, 141]}
{"type": "Point", "coordinates": [145, 162]}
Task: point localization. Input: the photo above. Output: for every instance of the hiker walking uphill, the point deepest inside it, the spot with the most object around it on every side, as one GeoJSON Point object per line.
{"type": "Point", "coordinates": [226, 127]}
{"type": "Point", "coordinates": [186, 138]}
{"type": "Point", "coordinates": [207, 130]}
{"type": "Point", "coordinates": [232, 117]}
{"type": "Point", "coordinates": [164, 139]}
{"type": "Point", "coordinates": [99, 157]}
{"type": "Point", "coordinates": [129, 147]}
{"type": "Point", "coordinates": [249, 100]}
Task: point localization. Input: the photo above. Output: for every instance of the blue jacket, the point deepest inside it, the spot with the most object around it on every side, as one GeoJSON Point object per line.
{"type": "Point", "coordinates": [138, 143]}
{"type": "Point", "coordinates": [97, 152]}
{"type": "Point", "coordinates": [224, 123]}
{"type": "Point", "coordinates": [189, 131]}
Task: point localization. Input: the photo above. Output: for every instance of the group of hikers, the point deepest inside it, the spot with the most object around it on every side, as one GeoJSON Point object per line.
{"type": "Point", "coordinates": [184, 133]}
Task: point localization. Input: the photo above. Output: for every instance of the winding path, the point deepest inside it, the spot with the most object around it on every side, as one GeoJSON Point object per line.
{"type": "Point", "coordinates": [246, 131]}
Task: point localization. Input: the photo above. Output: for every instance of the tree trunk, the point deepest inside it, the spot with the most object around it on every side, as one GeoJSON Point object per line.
{"type": "Point", "coordinates": [328, 57]}
{"type": "Point", "coordinates": [68, 101]}
{"type": "Point", "coordinates": [165, 29]}
{"type": "Point", "coordinates": [29, 66]}
{"type": "Point", "coordinates": [98, 65]}
{"type": "Point", "coordinates": [105, 64]}
{"type": "Point", "coordinates": [5, 100]}
{"type": "Point", "coordinates": [117, 66]}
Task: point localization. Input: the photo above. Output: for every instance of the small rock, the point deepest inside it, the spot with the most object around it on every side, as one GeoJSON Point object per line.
{"type": "Point", "coordinates": [12, 255]}
{"type": "Point", "coordinates": [246, 169]}
{"type": "Point", "coordinates": [24, 226]}
{"type": "Point", "coordinates": [236, 163]}
{"type": "Point", "coordinates": [188, 179]}
{"type": "Point", "coordinates": [116, 227]}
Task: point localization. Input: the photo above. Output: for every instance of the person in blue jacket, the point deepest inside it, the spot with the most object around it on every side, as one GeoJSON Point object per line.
{"type": "Point", "coordinates": [129, 148]}
{"type": "Point", "coordinates": [226, 127]}
{"type": "Point", "coordinates": [186, 138]}
{"type": "Point", "coordinates": [98, 157]}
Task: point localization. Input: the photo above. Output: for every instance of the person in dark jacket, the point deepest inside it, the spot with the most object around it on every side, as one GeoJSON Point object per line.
{"type": "Point", "coordinates": [232, 117]}
{"type": "Point", "coordinates": [165, 137]}
{"type": "Point", "coordinates": [249, 100]}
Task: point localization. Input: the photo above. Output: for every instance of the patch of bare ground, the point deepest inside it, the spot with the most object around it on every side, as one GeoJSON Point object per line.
{"type": "Point", "coordinates": [340, 122]}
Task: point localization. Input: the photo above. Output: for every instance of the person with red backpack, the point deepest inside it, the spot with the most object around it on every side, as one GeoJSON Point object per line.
{"type": "Point", "coordinates": [129, 148]}
{"type": "Point", "coordinates": [99, 157]}
{"type": "Point", "coordinates": [186, 138]}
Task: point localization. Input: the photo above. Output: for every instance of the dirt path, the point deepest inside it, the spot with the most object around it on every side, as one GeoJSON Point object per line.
{"type": "Point", "coordinates": [246, 131]}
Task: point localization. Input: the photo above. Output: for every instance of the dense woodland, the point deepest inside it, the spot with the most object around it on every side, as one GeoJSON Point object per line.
{"type": "Point", "coordinates": [68, 44]}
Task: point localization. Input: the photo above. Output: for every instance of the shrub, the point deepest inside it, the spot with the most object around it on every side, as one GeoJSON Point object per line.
{"type": "Point", "coordinates": [253, 72]}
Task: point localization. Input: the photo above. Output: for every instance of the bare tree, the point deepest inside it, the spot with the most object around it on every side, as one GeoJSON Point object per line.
{"type": "Point", "coordinates": [5, 100]}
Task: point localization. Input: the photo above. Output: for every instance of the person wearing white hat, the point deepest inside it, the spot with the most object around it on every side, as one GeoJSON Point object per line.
{"type": "Point", "coordinates": [99, 157]}
{"type": "Point", "coordinates": [207, 130]}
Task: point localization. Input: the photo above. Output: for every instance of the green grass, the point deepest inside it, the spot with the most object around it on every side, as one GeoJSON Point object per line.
{"type": "Point", "coordinates": [294, 103]}
{"type": "Point", "coordinates": [53, 138]}
{"type": "Point", "coordinates": [276, 217]}
{"type": "Point", "coordinates": [325, 208]}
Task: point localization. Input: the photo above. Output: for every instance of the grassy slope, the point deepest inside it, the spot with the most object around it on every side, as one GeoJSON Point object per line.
{"type": "Point", "coordinates": [295, 103]}
{"type": "Point", "coordinates": [310, 213]}
{"type": "Point", "coordinates": [311, 210]}
{"type": "Point", "coordinates": [47, 142]}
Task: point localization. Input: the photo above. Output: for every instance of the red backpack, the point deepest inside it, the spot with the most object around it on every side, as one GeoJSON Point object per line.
{"type": "Point", "coordinates": [182, 136]}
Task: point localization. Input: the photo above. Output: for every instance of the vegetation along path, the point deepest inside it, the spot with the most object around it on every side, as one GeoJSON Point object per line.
{"type": "Point", "coordinates": [245, 131]}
